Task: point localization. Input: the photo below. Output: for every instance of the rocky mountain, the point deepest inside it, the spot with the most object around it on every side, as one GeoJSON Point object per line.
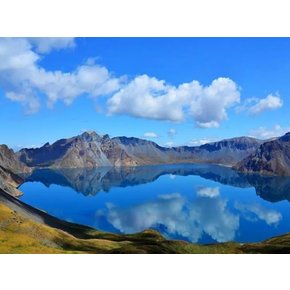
{"type": "Point", "coordinates": [9, 160]}
{"type": "Point", "coordinates": [9, 166]}
{"type": "Point", "coordinates": [86, 150]}
{"type": "Point", "coordinates": [10, 181]}
{"type": "Point", "coordinates": [272, 157]}
{"type": "Point", "coordinates": [228, 151]}
{"type": "Point", "coordinates": [90, 150]}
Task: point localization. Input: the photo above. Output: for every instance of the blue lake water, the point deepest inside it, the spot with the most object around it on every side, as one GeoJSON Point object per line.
{"type": "Point", "coordinates": [197, 203]}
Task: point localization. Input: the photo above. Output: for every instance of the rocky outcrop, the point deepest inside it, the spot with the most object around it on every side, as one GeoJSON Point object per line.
{"type": "Point", "coordinates": [9, 166]}
{"type": "Point", "coordinates": [9, 160]}
{"type": "Point", "coordinates": [9, 182]}
{"type": "Point", "coordinates": [271, 158]}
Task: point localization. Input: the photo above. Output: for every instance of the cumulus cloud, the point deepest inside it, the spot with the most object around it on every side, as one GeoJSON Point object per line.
{"type": "Point", "coordinates": [155, 99]}
{"type": "Point", "coordinates": [209, 106]}
{"type": "Point", "coordinates": [177, 215]}
{"type": "Point", "coordinates": [150, 135]}
{"type": "Point", "coordinates": [24, 80]}
{"type": "Point", "coordinates": [148, 98]}
{"type": "Point", "coordinates": [47, 44]}
{"type": "Point", "coordinates": [256, 106]}
{"type": "Point", "coordinates": [208, 191]}
{"type": "Point", "coordinates": [271, 102]}
{"type": "Point", "coordinates": [268, 133]}
{"type": "Point", "coordinates": [269, 216]}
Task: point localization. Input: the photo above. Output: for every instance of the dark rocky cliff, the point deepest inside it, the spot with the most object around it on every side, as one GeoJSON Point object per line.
{"type": "Point", "coordinates": [271, 158]}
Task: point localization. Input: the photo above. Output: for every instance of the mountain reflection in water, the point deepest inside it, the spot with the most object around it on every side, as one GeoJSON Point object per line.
{"type": "Point", "coordinates": [91, 181]}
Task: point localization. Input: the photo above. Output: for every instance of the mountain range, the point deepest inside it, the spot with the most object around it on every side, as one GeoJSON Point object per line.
{"type": "Point", "coordinates": [90, 150]}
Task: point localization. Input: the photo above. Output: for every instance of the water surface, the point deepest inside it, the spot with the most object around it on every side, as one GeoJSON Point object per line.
{"type": "Point", "coordinates": [197, 203]}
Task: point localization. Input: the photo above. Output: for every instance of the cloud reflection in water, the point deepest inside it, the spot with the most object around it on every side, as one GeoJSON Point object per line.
{"type": "Point", "coordinates": [208, 214]}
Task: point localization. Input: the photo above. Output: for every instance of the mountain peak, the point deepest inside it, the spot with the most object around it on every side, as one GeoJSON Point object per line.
{"type": "Point", "coordinates": [285, 138]}
{"type": "Point", "coordinates": [90, 136]}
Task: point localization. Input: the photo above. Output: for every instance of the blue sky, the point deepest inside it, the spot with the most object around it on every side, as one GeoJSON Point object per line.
{"type": "Point", "coordinates": [174, 91]}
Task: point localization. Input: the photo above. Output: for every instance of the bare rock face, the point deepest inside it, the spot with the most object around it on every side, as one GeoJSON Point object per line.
{"type": "Point", "coordinates": [87, 150]}
{"type": "Point", "coordinates": [9, 182]}
{"type": "Point", "coordinates": [10, 161]}
{"type": "Point", "coordinates": [9, 166]}
{"type": "Point", "coordinates": [272, 158]}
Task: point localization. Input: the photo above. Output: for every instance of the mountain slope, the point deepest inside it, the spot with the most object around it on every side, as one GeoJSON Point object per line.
{"type": "Point", "coordinates": [9, 161]}
{"type": "Point", "coordinates": [9, 165]}
{"type": "Point", "coordinates": [271, 157]}
{"type": "Point", "coordinates": [87, 150]}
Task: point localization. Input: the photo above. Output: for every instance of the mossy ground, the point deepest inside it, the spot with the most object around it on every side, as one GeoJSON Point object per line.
{"type": "Point", "coordinates": [19, 234]}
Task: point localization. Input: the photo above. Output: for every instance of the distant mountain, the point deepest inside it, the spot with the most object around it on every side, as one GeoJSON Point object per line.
{"type": "Point", "coordinates": [227, 152]}
{"type": "Point", "coordinates": [9, 166]}
{"type": "Point", "coordinates": [89, 150]}
{"type": "Point", "coordinates": [272, 157]}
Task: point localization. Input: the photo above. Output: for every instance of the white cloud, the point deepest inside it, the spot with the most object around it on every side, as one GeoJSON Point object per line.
{"type": "Point", "coordinates": [150, 135]}
{"type": "Point", "coordinates": [256, 106]}
{"type": "Point", "coordinates": [269, 216]}
{"type": "Point", "coordinates": [268, 133]}
{"type": "Point", "coordinates": [178, 216]}
{"type": "Point", "coordinates": [271, 102]}
{"type": "Point", "coordinates": [148, 97]}
{"type": "Point", "coordinates": [47, 44]}
{"type": "Point", "coordinates": [169, 144]}
{"type": "Point", "coordinates": [208, 192]}
{"type": "Point", "coordinates": [198, 142]}
{"type": "Point", "coordinates": [172, 132]}
{"type": "Point", "coordinates": [30, 102]}
{"type": "Point", "coordinates": [24, 81]}
{"type": "Point", "coordinates": [209, 106]}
